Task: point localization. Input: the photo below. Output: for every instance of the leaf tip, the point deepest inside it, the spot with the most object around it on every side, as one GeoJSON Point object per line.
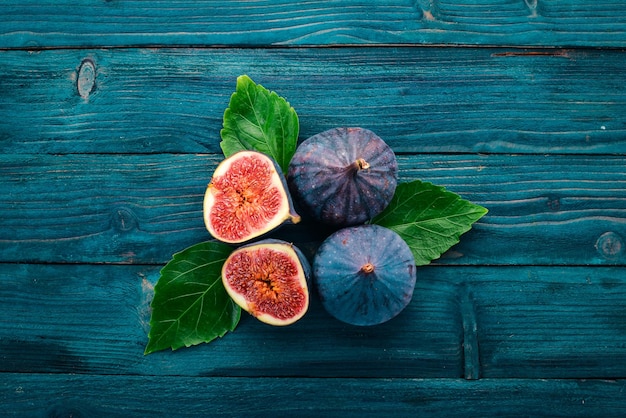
{"type": "Point", "coordinates": [150, 348]}
{"type": "Point", "coordinates": [244, 78]}
{"type": "Point", "coordinates": [481, 211]}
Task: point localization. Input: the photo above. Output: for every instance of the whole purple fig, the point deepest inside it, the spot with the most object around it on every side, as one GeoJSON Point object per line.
{"type": "Point", "coordinates": [364, 275]}
{"type": "Point", "coordinates": [343, 176]}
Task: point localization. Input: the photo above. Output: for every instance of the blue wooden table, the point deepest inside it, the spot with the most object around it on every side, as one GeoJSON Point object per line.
{"type": "Point", "coordinates": [109, 132]}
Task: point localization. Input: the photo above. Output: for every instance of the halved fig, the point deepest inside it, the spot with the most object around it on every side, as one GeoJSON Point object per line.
{"type": "Point", "coordinates": [247, 198]}
{"type": "Point", "coordinates": [269, 279]}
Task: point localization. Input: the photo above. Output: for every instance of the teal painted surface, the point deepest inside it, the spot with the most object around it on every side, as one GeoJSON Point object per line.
{"type": "Point", "coordinates": [544, 209]}
{"type": "Point", "coordinates": [418, 99]}
{"type": "Point", "coordinates": [530, 322]}
{"type": "Point", "coordinates": [82, 395]}
{"type": "Point", "coordinates": [49, 23]}
{"type": "Point", "coordinates": [109, 133]}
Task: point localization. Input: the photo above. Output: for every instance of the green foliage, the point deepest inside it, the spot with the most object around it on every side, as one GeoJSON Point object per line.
{"type": "Point", "coordinates": [429, 218]}
{"type": "Point", "coordinates": [190, 304]}
{"type": "Point", "coordinates": [260, 120]}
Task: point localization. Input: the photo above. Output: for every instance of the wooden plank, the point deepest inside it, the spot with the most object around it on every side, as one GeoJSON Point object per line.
{"type": "Point", "coordinates": [117, 396]}
{"type": "Point", "coordinates": [417, 99]}
{"type": "Point", "coordinates": [90, 319]}
{"type": "Point", "coordinates": [521, 322]}
{"type": "Point", "coordinates": [44, 24]}
{"type": "Point", "coordinates": [301, 397]}
{"type": "Point", "coordinates": [552, 209]}
{"type": "Point", "coordinates": [544, 322]}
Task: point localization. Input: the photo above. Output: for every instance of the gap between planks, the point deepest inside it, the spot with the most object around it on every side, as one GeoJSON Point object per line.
{"type": "Point", "coordinates": [518, 50]}
{"type": "Point", "coordinates": [471, 354]}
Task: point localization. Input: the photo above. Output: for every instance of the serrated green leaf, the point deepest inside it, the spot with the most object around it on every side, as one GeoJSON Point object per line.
{"type": "Point", "coordinates": [190, 304]}
{"type": "Point", "coordinates": [429, 218]}
{"type": "Point", "coordinates": [260, 120]}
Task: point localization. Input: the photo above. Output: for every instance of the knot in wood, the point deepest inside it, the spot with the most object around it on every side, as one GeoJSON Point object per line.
{"type": "Point", "coordinates": [610, 245]}
{"type": "Point", "coordinates": [123, 220]}
{"type": "Point", "coordinates": [554, 203]}
{"type": "Point", "coordinates": [86, 81]}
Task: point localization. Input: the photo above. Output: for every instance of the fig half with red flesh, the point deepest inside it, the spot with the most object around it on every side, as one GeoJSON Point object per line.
{"type": "Point", "coordinates": [246, 198]}
{"type": "Point", "coordinates": [269, 280]}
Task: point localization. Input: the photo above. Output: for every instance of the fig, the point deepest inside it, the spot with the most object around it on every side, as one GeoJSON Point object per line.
{"type": "Point", "coordinates": [247, 198]}
{"type": "Point", "coordinates": [364, 275]}
{"type": "Point", "coordinates": [343, 176]}
{"type": "Point", "coordinates": [269, 280]}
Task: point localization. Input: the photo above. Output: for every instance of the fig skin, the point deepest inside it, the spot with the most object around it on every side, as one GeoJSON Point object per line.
{"type": "Point", "coordinates": [247, 198]}
{"type": "Point", "coordinates": [364, 275]}
{"type": "Point", "coordinates": [343, 176]}
{"type": "Point", "coordinates": [270, 280]}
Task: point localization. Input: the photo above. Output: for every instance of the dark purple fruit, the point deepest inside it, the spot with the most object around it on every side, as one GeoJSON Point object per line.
{"type": "Point", "coordinates": [269, 279]}
{"type": "Point", "coordinates": [247, 197]}
{"type": "Point", "coordinates": [365, 275]}
{"type": "Point", "coordinates": [343, 176]}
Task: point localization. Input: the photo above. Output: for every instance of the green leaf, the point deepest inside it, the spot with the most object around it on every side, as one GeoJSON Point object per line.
{"type": "Point", "coordinates": [190, 304]}
{"type": "Point", "coordinates": [258, 119]}
{"type": "Point", "coordinates": [429, 218]}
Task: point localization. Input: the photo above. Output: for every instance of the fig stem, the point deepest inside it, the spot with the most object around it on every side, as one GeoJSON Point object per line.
{"type": "Point", "coordinates": [361, 164]}
{"type": "Point", "coordinates": [367, 268]}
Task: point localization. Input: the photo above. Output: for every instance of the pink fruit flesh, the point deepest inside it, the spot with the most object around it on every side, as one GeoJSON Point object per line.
{"type": "Point", "coordinates": [246, 198]}
{"type": "Point", "coordinates": [268, 280]}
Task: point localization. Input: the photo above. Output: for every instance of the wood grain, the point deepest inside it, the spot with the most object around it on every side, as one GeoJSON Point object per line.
{"type": "Point", "coordinates": [78, 395]}
{"type": "Point", "coordinates": [417, 99]}
{"type": "Point", "coordinates": [527, 322]}
{"type": "Point", "coordinates": [45, 24]}
{"type": "Point", "coordinates": [111, 112]}
{"type": "Point", "coordinates": [550, 210]}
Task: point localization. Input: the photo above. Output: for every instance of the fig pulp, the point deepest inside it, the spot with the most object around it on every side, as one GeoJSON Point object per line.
{"type": "Point", "coordinates": [365, 275]}
{"type": "Point", "coordinates": [247, 197]}
{"type": "Point", "coordinates": [268, 279]}
{"type": "Point", "coordinates": [343, 176]}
